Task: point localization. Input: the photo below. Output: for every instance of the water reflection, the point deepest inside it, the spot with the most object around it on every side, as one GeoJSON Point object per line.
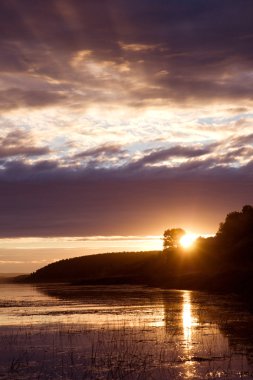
{"type": "Point", "coordinates": [187, 330]}
{"type": "Point", "coordinates": [187, 317]}
{"type": "Point", "coordinates": [189, 321]}
{"type": "Point", "coordinates": [91, 306]}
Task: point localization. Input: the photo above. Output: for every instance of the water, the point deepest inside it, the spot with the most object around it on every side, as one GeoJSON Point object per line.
{"type": "Point", "coordinates": [70, 332]}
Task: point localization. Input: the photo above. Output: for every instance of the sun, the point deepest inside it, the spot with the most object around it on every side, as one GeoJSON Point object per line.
{"type": "Point", "coordinates": [188, 240]}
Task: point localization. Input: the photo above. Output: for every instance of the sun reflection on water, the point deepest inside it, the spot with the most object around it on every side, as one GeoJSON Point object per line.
{"type": "Point", "coordinates": [189, 322]}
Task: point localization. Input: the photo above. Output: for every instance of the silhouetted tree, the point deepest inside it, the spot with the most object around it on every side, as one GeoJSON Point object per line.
{"type": "Point", "coordinates": [171, 238]}
{"type": "Point", "coordinates": [237, 226]}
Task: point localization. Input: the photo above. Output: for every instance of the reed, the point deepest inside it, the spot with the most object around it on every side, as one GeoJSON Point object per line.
{"type": "Point", "coordinates": [79, 353]}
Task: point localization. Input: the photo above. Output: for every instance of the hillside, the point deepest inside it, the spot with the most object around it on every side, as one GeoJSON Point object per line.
{"type": "Point", "coordinates": [220, 263]}
{"type": "Point", "coordinates": [127, 266]}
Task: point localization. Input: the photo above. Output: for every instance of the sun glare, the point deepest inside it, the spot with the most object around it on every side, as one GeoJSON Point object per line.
{"type": "Point", "coordinates": [188, 240]}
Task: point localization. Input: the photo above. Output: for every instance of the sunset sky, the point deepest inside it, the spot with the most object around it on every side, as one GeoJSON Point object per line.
{"type": "Point", "coordinates": [119, 119]}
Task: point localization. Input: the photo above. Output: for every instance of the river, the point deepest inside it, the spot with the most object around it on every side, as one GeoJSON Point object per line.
{"type": "Point", "coordinates": [125, 332]}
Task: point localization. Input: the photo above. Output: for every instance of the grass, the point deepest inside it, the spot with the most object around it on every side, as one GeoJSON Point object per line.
{"type": "Point", "coordinates": [78, 353]}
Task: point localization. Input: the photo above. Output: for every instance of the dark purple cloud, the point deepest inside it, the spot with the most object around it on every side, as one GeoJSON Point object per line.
{"type": "Point", "coordinates": [44, 200]}
{"type": "Point", "coordinates": [201, 50]}
{"type": "Point", "coordinates": [19, 143]}
{"type": "Point", "coordinates": [20, 150]}
{"type": "Point", "coordinates": [16, 98]}
{"type": "Point", "coordinates": [235, 154]}
{"type": "Point", "coordinates": [103, 150]}
{"type": "Point", "coordinates": [160, 155]}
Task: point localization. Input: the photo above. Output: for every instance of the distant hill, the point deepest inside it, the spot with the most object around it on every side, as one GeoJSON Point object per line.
{"type": "Point", "coordinates": [8, 277]}
{"type": "Point", "coordinates": [119, 267]}
{"type": "Point", "coordinates": [10, 274]}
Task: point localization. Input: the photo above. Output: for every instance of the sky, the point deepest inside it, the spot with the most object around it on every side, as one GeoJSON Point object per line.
{"type": "Point", "coordinates": [120, 119]}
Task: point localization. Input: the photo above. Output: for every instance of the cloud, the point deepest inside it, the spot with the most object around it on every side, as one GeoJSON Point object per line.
{"type": "Point", "coordinates": [53, 201]}
{"type": "Point", "coordinates": [243, 140]}
{"type": "Point", "coordinates": [106, 150]}
{"type": "Point", "coordinates": [123, 117]}
{"type": "Point", "coordinates": [20, 150]}
{"type": "Point", "coordinates": [138, 47]}
{"type": "Point", "coordinates": [14, 98]}
{"type": "Point", "coordinates": [189, 51]}
{"type": "Point", "coordinates": [161, 155]}
{"type": "Point", "coordinates": [19, 143]}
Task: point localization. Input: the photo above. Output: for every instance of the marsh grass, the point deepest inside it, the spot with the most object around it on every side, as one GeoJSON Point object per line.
{"type": "Point", "coordinates": [78, 353]}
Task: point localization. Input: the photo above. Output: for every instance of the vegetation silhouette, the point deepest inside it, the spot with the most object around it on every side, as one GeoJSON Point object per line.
{"type": "Point", "coordinates": [171, 238]}
{"type": "Point", "coordinates": [219, 263]}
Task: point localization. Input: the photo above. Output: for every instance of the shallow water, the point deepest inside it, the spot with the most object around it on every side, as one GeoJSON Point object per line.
{"type": "Point", "coordinates": [70, 332]}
